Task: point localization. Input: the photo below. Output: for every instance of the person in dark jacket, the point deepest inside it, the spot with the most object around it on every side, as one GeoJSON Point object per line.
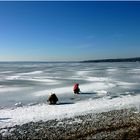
{"type": "Point", "coordinates": [76, 88]}
{"type": "Point", "coordinates": [52, 99]}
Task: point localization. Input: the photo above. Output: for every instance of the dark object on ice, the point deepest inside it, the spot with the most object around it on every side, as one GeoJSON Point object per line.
{"type": "Point", "coordinates": [76, 89]}
{"type": "Point", "coordinates": [52, 99]}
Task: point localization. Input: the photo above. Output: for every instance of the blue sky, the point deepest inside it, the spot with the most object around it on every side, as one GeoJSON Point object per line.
{"type": "Point", "coordinates": [69, 31]}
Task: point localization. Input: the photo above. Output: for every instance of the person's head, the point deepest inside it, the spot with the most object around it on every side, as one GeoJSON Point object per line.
{"type": "Point", "coordinates": [51, 94]}
{"type": "Point", "coordinates": [77, 84]}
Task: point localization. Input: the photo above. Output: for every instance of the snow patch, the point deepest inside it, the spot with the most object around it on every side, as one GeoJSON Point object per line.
{"type": "Point", "coordinates": [46, 112]}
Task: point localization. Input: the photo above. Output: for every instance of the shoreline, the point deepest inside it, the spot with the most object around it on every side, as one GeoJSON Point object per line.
{"type": "Point", "coordinates": [115, 124]}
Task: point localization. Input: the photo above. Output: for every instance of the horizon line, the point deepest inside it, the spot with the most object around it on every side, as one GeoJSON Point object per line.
{"type": "Point", "coordinates": [67, 61]}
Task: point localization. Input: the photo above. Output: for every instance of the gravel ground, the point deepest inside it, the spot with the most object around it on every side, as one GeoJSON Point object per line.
{"type": "Point", "coordinates": [116, 124]}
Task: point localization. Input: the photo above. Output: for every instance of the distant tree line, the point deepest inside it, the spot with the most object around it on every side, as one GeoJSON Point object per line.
{"type": "Point", "coordinates": [136, 59]}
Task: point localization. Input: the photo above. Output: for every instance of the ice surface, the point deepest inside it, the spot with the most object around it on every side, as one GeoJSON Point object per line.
{"type": "Point", "coordinates": [104, 86]}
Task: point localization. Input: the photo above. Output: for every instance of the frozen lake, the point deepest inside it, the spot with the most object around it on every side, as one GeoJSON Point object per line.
{"type": "Point", "coordinates": [32, 82]}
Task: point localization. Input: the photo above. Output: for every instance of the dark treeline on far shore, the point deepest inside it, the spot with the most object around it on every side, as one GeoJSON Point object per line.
{"type": "Point", "coordinates": [135, 59]}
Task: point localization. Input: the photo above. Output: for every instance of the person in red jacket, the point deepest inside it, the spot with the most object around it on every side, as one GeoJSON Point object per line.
{"type": "Point", "coordinates": [76, 89]}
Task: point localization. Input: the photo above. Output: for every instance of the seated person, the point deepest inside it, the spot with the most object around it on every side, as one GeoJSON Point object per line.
{"type": "Point", "coordinates": [52, 99]}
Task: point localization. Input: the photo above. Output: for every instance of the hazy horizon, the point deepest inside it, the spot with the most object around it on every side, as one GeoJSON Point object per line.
{"type": "Point", "coordinates": [64, 61]}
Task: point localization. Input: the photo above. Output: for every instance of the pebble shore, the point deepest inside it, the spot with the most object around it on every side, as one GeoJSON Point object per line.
{"type": "Point", "coordinates": [116, 124]}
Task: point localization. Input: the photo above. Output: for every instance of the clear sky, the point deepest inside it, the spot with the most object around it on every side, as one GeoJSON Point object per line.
{"type": "Point", "coordinates": [67, 31]}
